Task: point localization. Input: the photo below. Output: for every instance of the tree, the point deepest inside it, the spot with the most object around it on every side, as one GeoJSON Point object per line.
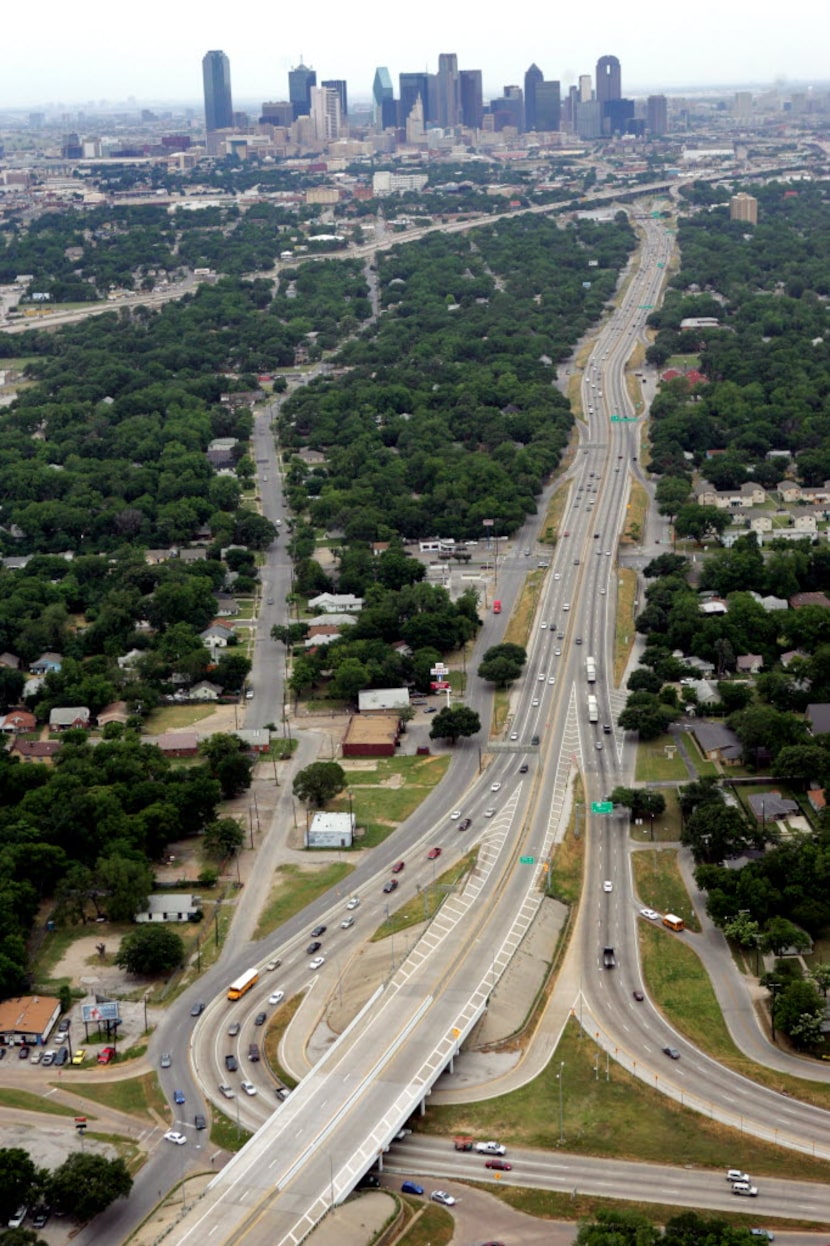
{"type": "Point", "coordinates": [318, 783]}
{"type": "Point", "coordinates": [647, 715]}
{"type": "Point", "coordinates": [150, 950]}
{"type": "Point", "coordinates": [820, 974]}
{"type": "Point", "coordinates": [17, 1178]}
{"type": "Point", "coordinates": [780, 934]}
{"type": "Point", "coordinates": [617, 1228]}
{"type": "Point", "coordinates": [232, 670]}
{"type": "Point", "coordinates": [123, 885]}
{"type": "Point", "coordinates": [715, 833]}
{"type": "Point", "coordinates": [640, 801]}
{"type": "Point", "coordinates": [223, 838]}
{"type": "Point", "coordinates": [799, 1011]}
{"type": "Point", "coordinates": [86, 1184]}
{"type": "Point", "coordinates": [228, 762]}
{"type": "Point", "coordinates": [700, 522]}
{"type": "Point", "coordinates": [454, 721]}
{"type": "Point", "coordinates": [500, 671]}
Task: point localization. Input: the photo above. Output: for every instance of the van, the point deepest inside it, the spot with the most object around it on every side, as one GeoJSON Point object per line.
{"type": "Point", "coordinates": [743, 1187]}
{"type": "Point", "coordinates": [18, 1217]}
{"type": "Point", "coordinates": [61, 1055]}
{"type": "Point", "coordinates": [253, 1051]}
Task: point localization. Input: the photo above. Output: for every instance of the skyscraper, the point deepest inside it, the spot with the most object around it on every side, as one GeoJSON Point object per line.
{"type": "Point", "coordinates": [743, 207]}
{"type": "Point", "coordinates": [472, 98]}
{"type": "Point", "coordinates": [548, 106]}
{"type": "Point", "coordinates": [533, 77]}
{"type": "Point", "coordinates": [383, 99]}
{"type": "Point", "coordinates": [216, 76]}
{"type": "Point", "coordinates": [448, 90]}
{"type": "Point", "coordinates": [609, 81]}
{"type": "Point", "coordinates": [585, 91]}
{"type": "Point", "coordinates": [340, 86]}
{"type": "Point", "coordinates": [325, 113]}
{"type": "Point", "coordinates": [300, 81]}
{"type": "Point", "coordinates": [657, 114]}
{"type": "Point", "coordinates": [413, 87]}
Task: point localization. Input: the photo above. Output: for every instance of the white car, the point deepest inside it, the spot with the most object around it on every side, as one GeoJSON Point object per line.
{"type": "Point", "coordinates": [441, 1196]}
{"type": "Point", "coordinates": [347, 923]}
{"type": "Point", "coordinates": [514, 735]}
{"type": "Point", "coordinates": [650, 914]}
{"type": "Point", "coordinates": [552, 679]}
{"type": "Point", "coordinates": [317, 963]}
{"type": "Point", "coordinates": [248, 1087]}
{"type": "Point", "coordinates": [557, 653]}
{"type": "Point", "coordinates": [277, 997]}
{"type": "Point", "coordinates": [490, 1148]}
{"type": "Point", "coordinates": [557, 576]}
{"type": "Point", "coordinates": [607, 885]}
{"type": "Point", "coordinates": [455, 815]}
{"type": "Point", "coordinates": [489, 813]}
{"type": "Point", "coordinates": [535, 701]}
{"type": "Point", "coordinates": [354, 903]}
{"type": "Point", "coordinates": [495, 787]}
{"type": "Point", "coordinates": [177, 1138]}
{"type": "Point", "coordinates": [544, 626]}
{"type": "Point", "coordinates": [542, 677]}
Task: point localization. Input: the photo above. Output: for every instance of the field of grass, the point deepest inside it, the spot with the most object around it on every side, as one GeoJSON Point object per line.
{"type": "Point", "coordinates": [273, 1037]}
{"type": "Point", "coordinates": [569, 857]}
{"type": "Point", "coordinates": [225, 1133]}
{"type": "Point", "coordinates": [682, 361]}
{"type": "Point", "coordinates": [612, 1114]}
{"type": "Point", "coordinates": [297, 886]}
{"type": "Point", "coordinates": [424, 906]}
{"type": "Point", "coordinates": [552, 523]}
{"type": "Point", "coordinates": [433, 1227]}
{"type": "Point", "coordinates": [138, 1096]}
{"type": "Point", "coordinates": [389, 792]}
{"type": "Point", "coordinates": [654, 766]}
{"type": "Point", "coordinates": [704, 767]}
{"type": "Point", "coordinates": [175, 718]}
{"type": "Point", "coordinates": [26, 1101]}
{"type": "Point", "coordinates": [659, 885]}
{"type": "Point", "coordinates": [666, 828]}
{"type": "Point", "coordinates": [624, 629]}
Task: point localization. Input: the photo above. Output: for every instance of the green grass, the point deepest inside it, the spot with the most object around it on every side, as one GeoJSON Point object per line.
{"type": "Point", "coordinates": [26, 1101]}
{"type": "Point", "coordinates": [620, 1117]}
{"type": "Point", "coordinates": [176, 717]}
{"type": "Point", "coordinates": [296, 887]}
{"type": "Point", "coordinates": [274, 1031]}
{"type": "Point", "coordinates": [624, 624]}
{"type": "Point", "coordinates": [667, 827]}
{"type": "Point", "coordinates": [433, 1227]}
{"type": "Point", "coordinates": [654, 766]}
{"type": "Point", "coordinates": [569, 857]}
{"type": "Point", "coordinates": [421, 907]}
{"type": "Point", "coordinates": [682, 361]}
{"type": "Point", "coordinates": [137, 1096]}
{"type": "Point", "coordinates": [225, 1133]}
{"type": "Point", "coordinates": [374, 799]}
{"type": "Point", "coordinates": [704, 767]}
{"type": "Point", "coordinates": [660, 886]}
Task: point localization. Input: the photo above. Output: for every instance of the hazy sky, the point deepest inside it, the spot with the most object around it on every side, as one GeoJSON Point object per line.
{"type": "Point", "coordinates": [94, 50]}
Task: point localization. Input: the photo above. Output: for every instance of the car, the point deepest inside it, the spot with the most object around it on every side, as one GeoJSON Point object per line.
{"type": "Point", "coordinates": [178, 1096]}
{"type": "Point", "coordinates": [544, 626]}
{"type": "Point", "coordinates": [248, 1087]}
{"type": "Point", "coordinates": [606, 728]}
{"type": "Point", "coordinates": [199, 1121]}
{"type": "Point", "coordinates": [19, 1216]}
{"type": "Point", "coordinates": [500, 1164]}
{"type": "Point", "coordinates": [576, 562]}
{"type": "Point", "coordinates": [227, 1091]}
{"type": "Point", "coordinates": [566, 533]}
{"type": "Point", "coordinates": [552, 679]}
{"type": "Point", "coordinates": [390, 886]}
{"type": "Point", "coordinates": [490, 1148]}
{"type": "Point", "coordinates": [557, 576]}
{"type": "Point", "coordinates": [317, 931]}
{"type": "Point", "coordinates": [398, 866]}
{"type": "Point", "coordinates": [442, 1197]}
{"type": "Point", "coordinates": [282, 1092]}
{"type": "Point", "coordinates": [578, 640]}
{"type": "Point", "coordinates": [234, 1029]}
{"type": "Point", "coordinates": [534, 739]}
{"type": "Point", "coordinates": [273, 964]}
{"type": "Point", "coordinates": [22, 1054]}
{"type": "Point", "coordinates": [369, 1181]}
{"type": "Point", "coordinates": [639, 996]}
{"type": "Point", "coordinates": [736, 1174]}
{"type": "Point", "coordinates": [465, 824]}
{"type": "Point", "coordinates": [2, 1053]}
{"type": "Point", "coordinates": [41, 1218]}
{"type": "Point", "coordinates": [598, 745]}
{"type": "Point", "coordinates": [455, 815]}
{"type": "Point", "coordinates": [527, 553]}
{"type": "Point", "coordinates": [744, 1187]}
{"type": "Point", "coordinates": [608, 553]}
{"type": "Point", "coordinates": [596, 536]}
{"type": "Point", "coordinates": [313, 947]}
{"type": "Point", "coordinates": [434, 854]}
{"type": "Point", "coordinates": [249, 694]}
{"type": "Point", "coordinates": [260, 1018]}
{"type": "Point", "coordinates": [276, 997]}
{"type": "Point", "coordinates": [566, 606]}
{"type": "Point", "coordinates": [347, 923]}
{"type": "Point", "coordinates": [542, 677]}
{"type": "Point", "coordinates": [411, 1187]}
{"type": "Point", "coordinates": [317, 963]}
{"type": "Point", "coordinates": [61, 1056]}
{"type": "Point", "coordinates": [557, 653]}
{"type": "Point", "coordinates": [535, 702]}
{"type": "Point", "coordinates": [560, 635]}
{"type": "Point", "coordinates": [173, 1136]}
{"type": "Point", "coordinates": [607, 885]}
{"type": "Point", "coordinates": [490, 813]}
{"type": "Point", "coordinates": [37, 1056]}
{"type": "Point", "coordinates": [523, 768]}
{"type": "Point", "coordinates": [431, 709]}
{"type": "Point", "coordinates": [650, 914]}
{"type": "Point", "coordinates": [353, 903]}
{"type": "Point", "coordinates": [671, 1052]}
{"type": "Point", "coordinates": [166, 1060]}
{"type": "Point", "coordinates": [514, 735]}
{"type": "Point", "coordinates": [767, 1233]}
{"type": "Point", "coordinates": [197, 1010]}
{"type": "Point", "coordinates": [79, 1056]}
{"type": "Point", "coordinates": [495, 787]}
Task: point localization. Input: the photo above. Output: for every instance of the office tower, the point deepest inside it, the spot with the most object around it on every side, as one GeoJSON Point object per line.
{"type": "Point", "coordinates": [609, 83]}
{"type": "Point", "coordinates": [509, 109]}
{"type": "Point", "coordinates": [569, 108]}
{"type": "Point", "coordinates": [216, 75]}
{"type": "Point", "coordinates": [589, 119]}
{"type": "Point", "coordinates": [743, 105]}
{"type": "Point", "coordinates": [300, 81]}
{"type": "Point", "coordinates": [448, 91]}
{"type": "Point", "coordinates": [743, 207]}
{"type": "Point", "coordinates": [325, 113]}
{"type": "Point", "coordinates": [657, 115]}
{"type": "Point", "coordinates": [472, 98]}
{"type": "Point", "coordinates": [585, 91]}
{"type": "Point", "coordinates": [340, 86]}
{"type": "Point", "coordinates": [413, 87]}
{"type": "Point", "coordinates": [617, 116]}
{"type": "Point", "coordinates": [276, 112]}
{"type": "Point", "coordinates": [415, 122]}
{"type": "Point", "coordinates": [548, 98]}
{"type": "Point", "coordinates": [533, 77]}
{"type": "Point", "coordinates": [383, 99]}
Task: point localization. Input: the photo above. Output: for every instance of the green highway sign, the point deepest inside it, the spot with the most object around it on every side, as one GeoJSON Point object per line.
{"type": "Point", "coordinates": [602, 806]}
{"type": "Point", "coordinates": [646, 306]}
{"type": "Point", "coordinates": [623, 419]}
{"type": "Point", "coordinates": [527, 860]}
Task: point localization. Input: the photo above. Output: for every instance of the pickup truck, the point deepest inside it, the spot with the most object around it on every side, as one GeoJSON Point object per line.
{"type": "Point", "coordinates": [608, 958]}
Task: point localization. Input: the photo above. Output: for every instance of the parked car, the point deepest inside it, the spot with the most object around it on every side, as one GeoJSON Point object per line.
{"type": "Point", "coordinates": [79, 1056]}
{"type": "Point", "coordinates": [411, 1187]}
{"type": "Point", "coordinates": [22, 1053]}
{"type": "Point", "coordinates": [61, 1056]}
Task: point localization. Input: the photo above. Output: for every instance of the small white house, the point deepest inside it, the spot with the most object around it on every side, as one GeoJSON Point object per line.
{"type": "Point", "coordinates": [170, 906]}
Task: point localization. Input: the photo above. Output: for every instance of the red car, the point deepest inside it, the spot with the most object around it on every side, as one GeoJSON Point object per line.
{"type": "Point", "coordinates": [106, 1055]}
{"type": "Point", "coordinates": [501, 1164]}
{"type": "Point", "coordinates": [397, 867]}
{"type": "Point", "coordinates": [433, 854]}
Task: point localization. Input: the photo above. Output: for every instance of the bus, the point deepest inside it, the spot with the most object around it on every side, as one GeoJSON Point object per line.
{"type": "Point", "coordinates": [593, 710]}
{"type": "Point", "coordinates": [243, 983]}
{"type": "Point", "coordinates": [673, 922]}
{"type": "Point", "coordinates": [591, 670]}
{"type": "Point", "coordinates": [497, 606]}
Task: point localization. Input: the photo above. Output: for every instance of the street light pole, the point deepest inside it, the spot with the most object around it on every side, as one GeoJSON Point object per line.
{"type": "Point", "coordinates": [560, 1078]}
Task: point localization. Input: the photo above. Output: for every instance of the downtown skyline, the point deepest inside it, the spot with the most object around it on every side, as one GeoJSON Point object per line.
{"type": "Point", "coordinates": [84, 63]}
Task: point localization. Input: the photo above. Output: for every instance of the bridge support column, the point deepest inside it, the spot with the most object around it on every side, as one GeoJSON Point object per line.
{"type": "Point", "coordinates": [451, 1065]}
{"type": "Point", "coordinates": [422, 1107]}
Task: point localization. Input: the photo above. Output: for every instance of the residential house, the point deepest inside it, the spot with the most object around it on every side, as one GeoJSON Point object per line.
{"type": "Point", "coordinates": [34, 750]}
{"type": "Point", "coordinates": [789, 491]}
{"type": "Point", "coordinates": [761, 523]}
{"type": "Point", "coordinates": [775, 603]}
{"type": "Point", "coordinates": [717, 742]}
{"type": "Point", "coordinates": [217, 636]}
{"type": "Point", "coordinates": [153, 557]}
{"type": "Point", "coordinates": [335, 603]}
{"type": "Point", "coordinates": [67, 716]}
{"type": "Point", "coordinates": [331, 620]}
{"type": "Point", "coordinates": [805, 521]}
{"type": "Point", "coordinates": [715, 605]}
{"type": "Point", "coordinates": [818, 718]}
{"type": "Point", "coordinates": [223, 443]}
{"type": "Point", "coordinates": [749, 663]}
{"type": "Point", "coordinates": [702, 665]}
{"type": "Point", "coordinates": [10, 661]}
{"type": "Point", "coordinates": [192, 553]}
{"type": "Point", "coordinates": [17, 721]}
{"type": "Point", "coordinates": [771, 806]}
{"type": "Point", "coordinates": [799, 600]}
{"type": "Point", "coordinates": [46, 663]}
{"type": "Point", "coordinates": [255, 739]}
{"type": "Point", "coordinates": [706, 494]}
{"type": "Point", "coordinates": [752, 494]}
{"type": "Point", "coordinates": [115, 712]}
{"type": "Point", "coordinates": [170, 906]}
{"type": "Point", "coordinates": [176, 743]}
{"type": "Point", "coordinates": [705, 691]}
{"type": "Point", "coordinates": [226, 606]}
{"type": "Point", "coordinates": [205, 691]}
{"type": "Point", "coordinates": [129, 661]}
{"type": "Point", "coordinates": [790, 656]}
